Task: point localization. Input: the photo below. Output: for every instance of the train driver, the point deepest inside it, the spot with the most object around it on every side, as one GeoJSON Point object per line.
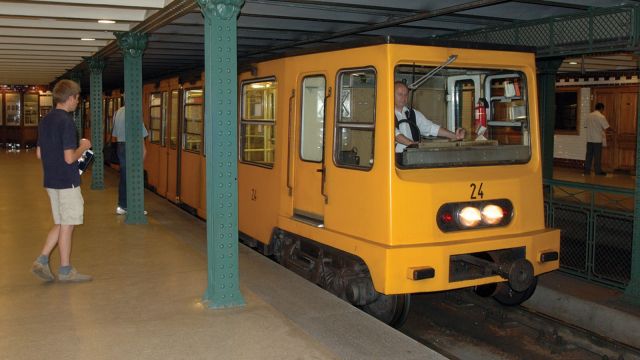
{"type": "Point", "coordinates": [410, 124]}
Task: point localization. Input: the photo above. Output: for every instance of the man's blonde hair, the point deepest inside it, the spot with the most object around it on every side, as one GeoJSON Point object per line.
{"type": "Point", "coordinates": [64, 89]}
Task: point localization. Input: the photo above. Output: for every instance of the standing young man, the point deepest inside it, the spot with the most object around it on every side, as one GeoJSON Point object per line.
{"type": "Point", "coordinates": [59, 151]}
{"type": "Point", "coordinates": [596, 125]}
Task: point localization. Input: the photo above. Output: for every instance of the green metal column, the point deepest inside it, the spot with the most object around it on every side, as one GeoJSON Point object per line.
{"type": "Point", "coordinates": [96, 65]}
{"type": "Point", "coordinates": [632, 292]}
{"type": "Point", "coordinates": [547, 70]}
{"type": "Point", "coordinates": [221, 114]}
{"type": "Point", "coordinates": [132, 45]}
{"type": "Point", "coordinates": [77, 77]}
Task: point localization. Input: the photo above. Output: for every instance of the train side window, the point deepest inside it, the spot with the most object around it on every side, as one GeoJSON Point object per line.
{"type": "Point", "coordinates": [155, 114]}
{"type": "Point", "coordinates": [257, 122]}
{"type": "Point", "coordinates": [312, 119]}
{"type": "Point", "coordinates": [193, 120]}
{"type": "Point", "coordinates": [355, 118]}
{"type": "Point", "coordinates": [163, 128]}
{"type": "Point", "coordinates": [175, 113]}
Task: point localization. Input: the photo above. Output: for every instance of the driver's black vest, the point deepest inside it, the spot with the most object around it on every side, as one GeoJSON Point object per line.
{"type": "Point", "coordinates": [411, 120]}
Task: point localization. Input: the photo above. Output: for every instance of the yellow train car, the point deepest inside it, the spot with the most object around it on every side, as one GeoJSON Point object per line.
{"type": "Point", "coordinates": [173, 111]}
{"type": "Point", "coordinates": [324, 189]}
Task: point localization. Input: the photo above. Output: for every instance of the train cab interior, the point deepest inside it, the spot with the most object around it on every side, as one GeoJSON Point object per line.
{"type": "Point", "coordinates": [490, 104]}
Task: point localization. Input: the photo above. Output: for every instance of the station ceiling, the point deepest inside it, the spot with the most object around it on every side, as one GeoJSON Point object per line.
{"type": "Point", "coordinates": [41, 40]}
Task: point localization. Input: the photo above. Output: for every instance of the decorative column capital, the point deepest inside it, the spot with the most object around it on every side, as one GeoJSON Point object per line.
{"type": "Point", "coordinates": [131, 43]}
{"type": "Point", "coordinates": [96, 64]}
{"type": "Point", "coordinates": [223, 9]}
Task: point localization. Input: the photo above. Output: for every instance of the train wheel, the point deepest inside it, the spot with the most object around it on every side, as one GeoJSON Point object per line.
{"type": "Point", "coordinates": [485, 290]}
{"type": "Point", "coordinates": [390, 309]}
{"type": "Point", "coordinates": [505, 295]}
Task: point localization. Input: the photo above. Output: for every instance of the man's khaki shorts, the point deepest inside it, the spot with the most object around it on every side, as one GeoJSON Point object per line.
{"type": "Point", "coordinates": [67, 206]}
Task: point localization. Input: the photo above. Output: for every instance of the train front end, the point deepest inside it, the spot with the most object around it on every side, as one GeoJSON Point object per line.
{"type": "Point", "coordinates": [469, 212]}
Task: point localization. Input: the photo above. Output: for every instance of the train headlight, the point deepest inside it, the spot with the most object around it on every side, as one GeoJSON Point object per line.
{"type": "Point", "coordinates": [492, 214]}
{"type": "Point", "coordinates": [469, 216]}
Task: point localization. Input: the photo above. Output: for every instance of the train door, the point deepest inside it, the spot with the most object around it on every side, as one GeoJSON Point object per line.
{"type": "Point", "coordinates": [308, 161]}
{"type": "Point", "coordinates": [620, 110]}
{"type": "Point", "coordinates": [157, 154]}
{"type": "Point", "coordinates": [192, 149]}
{"type": "Point", "coordinates": [173, 138]}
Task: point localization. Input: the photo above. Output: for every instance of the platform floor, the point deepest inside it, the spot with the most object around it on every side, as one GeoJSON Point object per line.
{"type": "Point", "coordinates": [145, 300]}
{"type": "Point", "coordinates": [613, 179]}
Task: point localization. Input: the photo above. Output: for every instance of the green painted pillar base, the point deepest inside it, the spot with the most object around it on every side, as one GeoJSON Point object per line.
{"type": "Point", "coordinates": [547, 70]}
{"type": "Point", "coordinates": [632, 292]}
{"type": "Point", "coordinates": [96, 65]}
{"type": "Point", "coordinates": [132, 45]}
{"type": "Point", "coordinates": [221, 114]}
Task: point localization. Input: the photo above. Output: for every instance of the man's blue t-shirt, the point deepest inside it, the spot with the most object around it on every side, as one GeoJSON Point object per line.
{"type": "Point", "coordinates": [57, 133]}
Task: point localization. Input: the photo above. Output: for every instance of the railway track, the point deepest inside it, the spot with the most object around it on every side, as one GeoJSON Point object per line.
{"type": "Point", "coordinates": [461, 325]}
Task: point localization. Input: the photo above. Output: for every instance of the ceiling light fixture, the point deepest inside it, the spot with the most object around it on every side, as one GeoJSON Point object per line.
{"type": "Point", "coordinates": [573, 63]}
{"type": "Point", "coordinates": [87, 39]}
{"type": "Point", "coordinates": [105, 21]}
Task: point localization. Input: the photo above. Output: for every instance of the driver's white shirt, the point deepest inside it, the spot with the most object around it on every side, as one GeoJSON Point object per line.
{"type": "Point", "coordinates": [426, 126]}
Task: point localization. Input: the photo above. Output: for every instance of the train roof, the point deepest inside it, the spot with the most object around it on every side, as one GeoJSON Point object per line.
{"type": "Point", "coordinates": [244, 63]}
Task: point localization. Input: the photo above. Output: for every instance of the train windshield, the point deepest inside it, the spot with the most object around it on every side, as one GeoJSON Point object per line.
{"type": "Point", "coordinates": [491, 105]}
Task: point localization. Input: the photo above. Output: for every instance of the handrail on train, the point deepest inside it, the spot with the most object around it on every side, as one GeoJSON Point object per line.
{"type": "Point", "coordinates": [433, 71]}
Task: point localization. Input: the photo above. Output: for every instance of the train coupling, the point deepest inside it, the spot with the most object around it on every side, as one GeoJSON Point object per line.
{"type": "Point", "coordinates": [518, 273]}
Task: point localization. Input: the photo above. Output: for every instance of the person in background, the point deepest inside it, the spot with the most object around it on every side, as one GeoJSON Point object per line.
{"type": "Point", "coordinates": [411, 123]}
{"type": "Point", "coordinates": [118, 134]}
{"type": "Point", "coordinates": [596, 124]}
{"type": "Point", "coordinates": [59, 150]}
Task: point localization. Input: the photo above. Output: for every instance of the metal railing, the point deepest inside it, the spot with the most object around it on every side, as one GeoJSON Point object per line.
{"type": "Point", "coordinates": [596, 224]}
{"type": "Point", "coordinates": [598, 30]}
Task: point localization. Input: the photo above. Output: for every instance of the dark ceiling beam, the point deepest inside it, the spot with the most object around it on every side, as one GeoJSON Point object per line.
{"type": "Point", "coordinates": [476, 19]}
{"type": "Point", "coordinates": [357, 8]}
{"type": "Point", "coordinates": [555, 4]}
{"type": "Point", "coordinates": [399, 21]}
{"type": "Point", "coordinates": [343, 22]}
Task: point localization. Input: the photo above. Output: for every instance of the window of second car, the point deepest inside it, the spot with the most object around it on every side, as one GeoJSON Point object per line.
{"type": "Point", "coordinates": [175, 113]}
{"type": "Point", "coordinates": [155, 114]}
{"type": "Point", "coordinates": [257, 123]}
{"type": "Point", "coordinates": [193, 116]}
{"type": "Point", "coordinates": [355, 118]}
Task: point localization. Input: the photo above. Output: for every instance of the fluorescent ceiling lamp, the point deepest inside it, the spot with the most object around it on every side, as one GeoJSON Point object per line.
{"type": "Point", "coordinates": [573, 63]}
{"type": "Point", "coordinates": [105, 21]}
{"type": "Point", "coordinates": [87, 39]}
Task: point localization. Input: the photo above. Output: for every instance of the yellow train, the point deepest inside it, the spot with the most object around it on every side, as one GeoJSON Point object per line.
{"type": "Point", "coordinates": [322, 189]}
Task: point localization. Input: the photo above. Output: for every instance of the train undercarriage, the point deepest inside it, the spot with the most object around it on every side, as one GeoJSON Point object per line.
{"type": "Point", "coordinates": [336, 271]}
{"type": "Point", "coordinates": [348, 277]}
